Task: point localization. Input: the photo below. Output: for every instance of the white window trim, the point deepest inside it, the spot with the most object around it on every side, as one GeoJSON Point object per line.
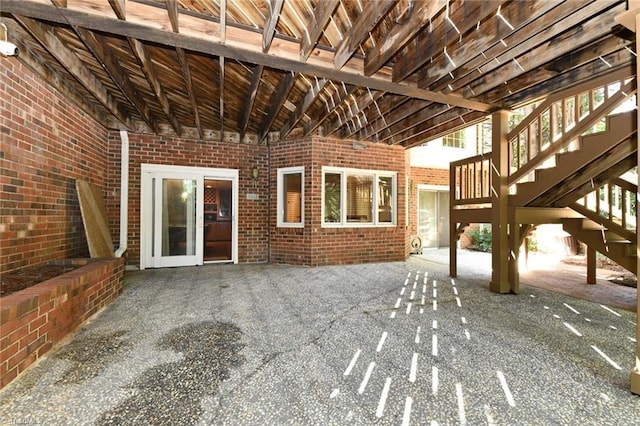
{"type": "Point", "coordinates": [280, 201]}
{"type": "Point", "coordinates": [376, 174]}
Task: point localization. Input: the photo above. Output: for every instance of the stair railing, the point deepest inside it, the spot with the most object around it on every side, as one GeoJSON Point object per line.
{"type": "Point", "coordinates": [613, 205]}
{"type": "Point", "coordinates": [551, 127]}
{"type": "Point", "coordinates": [558, 121]}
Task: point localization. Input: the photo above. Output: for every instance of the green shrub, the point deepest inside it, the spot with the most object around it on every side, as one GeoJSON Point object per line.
{"type": "Point", "coordinates": [480, 240]}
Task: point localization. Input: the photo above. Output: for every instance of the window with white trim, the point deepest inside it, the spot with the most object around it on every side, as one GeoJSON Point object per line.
{"type": "Point", "coordinates": [291, 197]}
{"type": "Point", "coordinates": [353, 197]}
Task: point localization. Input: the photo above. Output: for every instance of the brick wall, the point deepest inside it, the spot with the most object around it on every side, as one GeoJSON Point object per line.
{"type": "Point", "coordinates": [47, 143]}
{"type": "Point", "coordinates": [151, 149]}
{"type": "Point", "coordinates": [34, 319]}
{"type": "Point", "coordinates": [291, 245]}
{"type": "Point", "coordinates": [423, 176]}
{"type": "Point", "coordinates": [356, 245]}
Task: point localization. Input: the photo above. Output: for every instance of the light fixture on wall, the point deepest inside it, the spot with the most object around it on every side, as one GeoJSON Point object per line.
{"type": "Point", "coordinates": [255, 172]}
{"type": "Point", "coordinates": [6, 47]}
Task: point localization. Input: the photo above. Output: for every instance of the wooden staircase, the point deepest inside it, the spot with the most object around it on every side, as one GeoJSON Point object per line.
{"type": "Point", "coordinates": [561, 170]}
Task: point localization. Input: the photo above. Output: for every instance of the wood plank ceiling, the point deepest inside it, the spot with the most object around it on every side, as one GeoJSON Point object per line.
{"type": "Point", "coordinates": [391, 71]}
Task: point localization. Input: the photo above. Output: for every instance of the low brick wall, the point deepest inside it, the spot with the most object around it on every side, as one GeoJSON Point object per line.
{"type": "Point", "coordinates": [34, 319]}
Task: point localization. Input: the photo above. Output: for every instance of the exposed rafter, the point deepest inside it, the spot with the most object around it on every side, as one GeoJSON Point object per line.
{"type": "Point", "coordinates": [303, 106]}
{"type": "Point", "coordinates": [319, 19]}
{"type": "Point", "coordinates": [279, 98]}
{"type": "Point", "coordinates": [250, 99]}
{"type": "Point", "coordinates": [275, 7]}
{"type": "Point", "coordinates": [360, 104]}
{"type": "Point", "coordinates": [337, 99]}
{"type": "Point", "coordinates": [75, 67]}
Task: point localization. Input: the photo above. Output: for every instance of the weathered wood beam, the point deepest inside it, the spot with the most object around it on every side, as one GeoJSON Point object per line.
{"type": "Point", "coordinates": [372, 14]}
{"type": "Point", "coordinates": [541, 54]}
{"type": "Point", "coordinates": [410, 108]}
{"type": "Point", "coordinates": [321, 15]}
{"type": "Point", "coordinates": [279, 98]}
{"type": "Point", "coordinates": [441, 127]}
{"type": "Point", "coordinates": [250, 99]}
{"type": "Point", "coordinates": [579, 64]}
{"type": "Point", "coordinates": [221, 61]}
{"type": "Point", "coordinates": [302, 107]}
{"type": "Point", "coordinates": [48, 74]}
{"type": "Point", "coordinates": [140, 51]}
{"type": "Point", "coordinates": [75, 67]}
{"type": "Point", "coordinates": [482, 46]}
{"type": "Point", "coordinates": [60, 3]}
{"type": "Point", "coordinates": [337, 99]}
{"type": "Point", "coordinates": [269, 31]}
{"type": "Point", "coordinates": [465, 18]}
{"type": "Point", "coordinates": [143, 29]}
{"type": "Point", "coordinates": [361, 103]}
{"type": "Point", "coordinates": [119, 8]}
{"type": "Point", "coordinates": [377, 113]}
{"type": "Point", "coordinates": [401, 34]}
{"type": "Point", "coordinates": [96, 44]}
{"type": "Point", "coordinates": [172, 10]}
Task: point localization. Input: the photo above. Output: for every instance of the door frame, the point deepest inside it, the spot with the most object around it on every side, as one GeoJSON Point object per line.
{"type": "Point", "coordinates": [432, 188]}
{"type": "Point", "coordinates": [146, 200]}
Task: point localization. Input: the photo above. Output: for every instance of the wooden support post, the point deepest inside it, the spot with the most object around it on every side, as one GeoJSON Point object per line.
{"type": "Point", "coordinates": [635, 373]}
{"type": "Point", "coordinates": [514, 255]}
{"type": "Point", "coordinates": [591, 265]}
{"type": "Point", "coordinates": [453, 252]}
{"type": "Point", "coordinates": [500, 204]}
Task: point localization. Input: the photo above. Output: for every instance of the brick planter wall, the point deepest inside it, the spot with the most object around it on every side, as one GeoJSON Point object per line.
{"type": "Point", "coordinates": [34, 319]}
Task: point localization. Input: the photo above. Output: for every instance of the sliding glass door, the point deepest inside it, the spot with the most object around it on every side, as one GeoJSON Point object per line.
{"type": "Point", "coordinates": [173, 216]}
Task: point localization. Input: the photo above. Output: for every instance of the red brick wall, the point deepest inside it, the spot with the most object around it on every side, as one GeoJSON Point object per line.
{"type": "Point", "coordinates": [423, 176]}
{"type": "Point", "coordinates": [151, 149]}
{"type": "Point", "coordinates": [34, 319]}
{"type": "Point", "coordinates": [291, 245]}
{"type": "Point", "coordinates": [331, 246]}
{"type": "Point", "coordinates": [47, 143]}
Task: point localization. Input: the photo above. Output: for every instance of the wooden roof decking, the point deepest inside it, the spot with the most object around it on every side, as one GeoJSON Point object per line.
{"type": "Point", "coordinates": [392, 71]}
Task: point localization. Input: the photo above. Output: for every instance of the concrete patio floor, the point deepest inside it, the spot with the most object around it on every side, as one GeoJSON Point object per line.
{"type": "Point", "coordinates": [392, 343]}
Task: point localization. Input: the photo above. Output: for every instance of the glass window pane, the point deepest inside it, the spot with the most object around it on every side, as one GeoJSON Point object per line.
{"type": "Point", "coordinates": [332, 212]}
{"type": "Point", "coordinates": [385, 193]}
{"type": "Point", "coordinates": [359, 198]}
{"type": "Point", "coordinates": [178, 217]}
{"type": "Point", "coordinates": [292, 196]}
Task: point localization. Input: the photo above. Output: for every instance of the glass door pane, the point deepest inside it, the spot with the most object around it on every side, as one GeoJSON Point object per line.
{"type": "Point", "coordinates": [175, 221]}
{"type": "Point", "coordinates": [427, 216]}
{"type": "Point", "coordinates": [443, 219]}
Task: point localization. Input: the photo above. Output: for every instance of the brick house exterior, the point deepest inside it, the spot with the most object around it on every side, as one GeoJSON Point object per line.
{"type": "Point", "coordinates": [49, 143]}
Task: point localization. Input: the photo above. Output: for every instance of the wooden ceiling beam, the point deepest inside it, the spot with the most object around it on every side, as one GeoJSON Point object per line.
{"type": "Point", "coordinates": [376, 113]}
{"type": "Point", "coordinates": [483, 45]}
{"type": "Point", "coordinates": [144, 29]}
{"type": "Point", "coordinates": [60, 3]}
{"type": "Point", "coordinates": [172, 10]}
{"type": "Point", "coordinates": [321, 15]}
{"type": "Point", "coordinates": [545, 52]}
{"type": "Point", "coordinates": [95, 44]}
{"type": "Point", "coordinates": [409, 108]}
{"type": "Point", "coordinates": [401, 34]}
{"type": "Point", "coordinates": [75, 67]}
{"type": "Point", "coordinates": [337, 99]}
{"type": "Point", "coordinates": [371, 15]}
{"type": "Point", "coordinates": [553, 81]}
{"type": "Point", "coordinates": [269, 31]}
{"type": "Point", "coordinates": [62, 85]}
{"type": "Point", "coordinates": [465, 18]}
{"type": "Point", "coordinates": [119, 8]}
{"type": "Point", "coordinates": [250, 99]}
{"type": "Point", "coordinates": [302, 107]}
{"type": "Point", "coordinates": [362, 102]}
{"type": "Point", "coordinates": [279, 98]}
{"type": "Point", "coordinates": [443, 126]}
{"type": "Point", "coordinates": [140, 52]}
{"type": "Point", "coordinates": [401, 128]}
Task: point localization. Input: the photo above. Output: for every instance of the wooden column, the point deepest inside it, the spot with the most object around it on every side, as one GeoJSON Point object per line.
{"type": "Point", "coordinates": [453, 227]}
{"type": "Point", "coordinates": [591, 265]}
{"type": "Point", "coordinates": [500, 203]}
{"type": "Point", "coordinates": [514, 255]}
{"type": "Point", "coordinates": [635, 373]}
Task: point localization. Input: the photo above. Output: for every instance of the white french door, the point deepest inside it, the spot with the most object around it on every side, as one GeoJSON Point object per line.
{"type": "Point", "coordinates": [433, 216]}
{"type": "Point", "coordinates": [172, 215]}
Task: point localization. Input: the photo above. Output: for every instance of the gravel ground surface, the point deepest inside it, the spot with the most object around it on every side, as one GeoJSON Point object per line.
{"type": "Point", "coordinates": [394, 343]}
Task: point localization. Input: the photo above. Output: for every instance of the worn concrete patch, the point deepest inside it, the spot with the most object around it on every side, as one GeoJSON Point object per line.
{"type": "Point", "coordinates": [91, 355]}
{"type": "Point", "coordinates": [171, 393]}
